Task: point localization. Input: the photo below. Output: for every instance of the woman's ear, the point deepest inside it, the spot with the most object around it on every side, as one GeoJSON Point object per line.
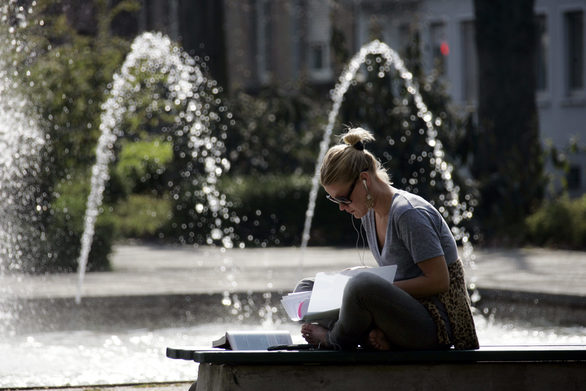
{"type": "Point", "coordinates": [365, 178]}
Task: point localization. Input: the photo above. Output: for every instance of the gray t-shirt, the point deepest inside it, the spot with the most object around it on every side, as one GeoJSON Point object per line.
{"type": "Point", "coordinates": [416, 232]}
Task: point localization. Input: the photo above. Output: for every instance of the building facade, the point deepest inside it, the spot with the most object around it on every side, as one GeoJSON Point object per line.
{"type": "Point", "coordinates": [446, 28]}
{"type": "Point", "coordinates": [287, 43]}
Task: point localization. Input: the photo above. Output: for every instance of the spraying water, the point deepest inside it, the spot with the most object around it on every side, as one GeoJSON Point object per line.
{"type": "Point", "coordinates": [154, 53]}
{"type": "Point", "coordinates": [21, 141]}
{"type": "Point", "coordinates": [458, 210]}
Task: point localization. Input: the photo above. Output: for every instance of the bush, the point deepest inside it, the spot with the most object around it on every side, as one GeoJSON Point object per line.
{"type": "Point", "coordinates": [67, 73]}
{"type": "Point", "coordinates": [142, 164]}
{"type": "Point", "coordinates": [560, 223]}
{"type": "Point", "coordinates": [270, 211]}
{"type": "Point", "coordinates": [142, 216]}
{"type": "Point", "coordinates": [65, 226]}
{"type": "Point", "coordinates": [277, 133]}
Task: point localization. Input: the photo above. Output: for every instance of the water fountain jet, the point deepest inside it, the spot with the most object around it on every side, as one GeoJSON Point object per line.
{"type": "Point", "coordinates": [459, 210]}
{"type": "Point", "coordinates": [152, 52]}
{"type": "Point", "coordinates": [21, 141]}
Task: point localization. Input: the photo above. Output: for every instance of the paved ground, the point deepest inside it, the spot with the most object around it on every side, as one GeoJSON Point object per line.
{"type": "Point", "coordinates": [146, 270]}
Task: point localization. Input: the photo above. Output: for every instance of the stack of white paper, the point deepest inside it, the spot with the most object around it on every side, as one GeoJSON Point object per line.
{"type": "Point", "coordinates": [325, 300]}
{"type": "Point", "coordinates": [296, 304]}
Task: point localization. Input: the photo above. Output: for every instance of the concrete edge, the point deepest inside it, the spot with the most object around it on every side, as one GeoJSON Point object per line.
{"type": "Point", "coordinates": [155, 386]}
{"type": "Point", "coordinates": [51, 314]}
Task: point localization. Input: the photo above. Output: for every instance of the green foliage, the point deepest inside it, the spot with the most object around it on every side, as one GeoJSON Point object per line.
{"type": "Point", "coordinates": [143, 164]}
{"type": "Point", "coordinates": [151, 111]}
{"type": "Point", "coordinates": [68, 73]}
{"type": "Point", "coordinates": [276, 132]}
{"type": "Point", "coordinates": [270, 210]}
{"type": "Point", "coordinates": [65, 228]}
{"type": "Point", "coordinates": [559, 159]}
{"type": "Point", "coordinates": [559, 223]}
{"type": "Point", "coordinates": [142, 217]}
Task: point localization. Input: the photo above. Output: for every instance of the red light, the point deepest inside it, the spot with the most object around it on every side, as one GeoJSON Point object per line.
{"type": "Point", "coordinates": [445, 48]}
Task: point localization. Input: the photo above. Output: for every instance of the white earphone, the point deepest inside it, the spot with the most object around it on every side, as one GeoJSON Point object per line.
{"type": "Point", "coordinates": [369, 200]}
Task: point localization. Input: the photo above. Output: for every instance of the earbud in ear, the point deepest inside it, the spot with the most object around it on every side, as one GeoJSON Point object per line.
{"type": "Point", "coordinates": [369, 199]}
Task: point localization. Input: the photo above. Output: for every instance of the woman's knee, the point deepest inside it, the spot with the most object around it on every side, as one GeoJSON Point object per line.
{"type": "Point", "coordinates": [368, 287]}
{"type": "Point", "coordinates": [363, 283]}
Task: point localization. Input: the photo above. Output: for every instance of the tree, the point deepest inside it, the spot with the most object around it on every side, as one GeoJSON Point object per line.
{"type": "Point", "coordinates": [507, 159]}
{"type": "Point", "coordinates": [68, 62]}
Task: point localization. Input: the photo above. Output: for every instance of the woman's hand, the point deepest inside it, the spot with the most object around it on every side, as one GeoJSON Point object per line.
{"type": "Point", "coordinates": [355, 268]}
{"type": "Point", "coordinates": [349, 271]}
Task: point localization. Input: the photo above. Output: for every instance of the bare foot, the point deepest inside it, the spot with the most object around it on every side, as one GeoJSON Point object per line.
{"type": "Point", "coordinates": [378, 340]}
{"type": "Point", "coordinates": [315, 334]}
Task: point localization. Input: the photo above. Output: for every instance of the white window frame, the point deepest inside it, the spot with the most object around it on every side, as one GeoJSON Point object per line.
{"type": "Point", "coordinates": [468, 100]}
{"type": "Point", "coordinates": [262, 56]}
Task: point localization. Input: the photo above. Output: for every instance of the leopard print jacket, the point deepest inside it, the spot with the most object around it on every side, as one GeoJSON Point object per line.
{"type": "Point", "coordinates": [457, 303]}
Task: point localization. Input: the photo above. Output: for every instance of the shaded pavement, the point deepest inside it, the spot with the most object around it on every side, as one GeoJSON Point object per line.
{"type": "Point", "coordinates": [165, 270]}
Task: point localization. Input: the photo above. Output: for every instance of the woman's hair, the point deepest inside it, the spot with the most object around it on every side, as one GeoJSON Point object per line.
{"type": "Point", "coordinates": [345, 161]}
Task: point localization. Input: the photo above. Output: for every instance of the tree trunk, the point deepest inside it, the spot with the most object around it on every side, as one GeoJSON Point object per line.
{"type": "Point", "coordinates": [507, 160]}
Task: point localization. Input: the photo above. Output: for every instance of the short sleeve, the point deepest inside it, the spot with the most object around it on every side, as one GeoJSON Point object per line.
{"type": "Point", "coordinates": [416, 230]}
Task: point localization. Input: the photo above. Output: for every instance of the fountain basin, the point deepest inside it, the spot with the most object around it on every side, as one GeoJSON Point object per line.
{"type": "Point", "coordinates": [161, 296]}
{"type": "Point", "coordinates": [122, 339]}
{"type": "Point", "coordinates": [38, 315]}
{"type": "Point", "coordinates": [518, 368]}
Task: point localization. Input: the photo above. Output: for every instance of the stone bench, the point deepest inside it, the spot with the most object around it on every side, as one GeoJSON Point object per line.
{"type": "Point", "coordinates": [489, 368]}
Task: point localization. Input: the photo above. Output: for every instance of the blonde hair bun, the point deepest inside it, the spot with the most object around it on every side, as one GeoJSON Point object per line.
{"type": "Point", "coordinates": [355, 135]}
{"type": "Point", "coordinates": [345, 161]}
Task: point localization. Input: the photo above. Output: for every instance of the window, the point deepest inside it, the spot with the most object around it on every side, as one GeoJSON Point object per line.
{"type": "Point", "coordinates": [469, 62]}
{"type": "Point", "coordinates": [405, 39]}
{"type": "Point", "coordinates": [264, 34]}
{"type": "Point", "coordinates": [317, 53]}
{"type": "Point", "coordinates": [318, 38]}
{"type": "Point", "coordinates": [542, 52]}
{"type": "Point", "coordinates": [574, 178]}
{"type": "Point", "coordinates": [297, 46]}
{"type": "Point", "coordinates": [574, 26]}
{"type": "Point", "coordinates": [439, 46]}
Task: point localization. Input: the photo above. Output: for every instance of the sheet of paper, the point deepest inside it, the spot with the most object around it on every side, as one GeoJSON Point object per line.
{"type": "Point", "coordinates": [327, 294]}
{"type": "Point", "coordinates": [328, 291]}
{"type": "Point", "coordinates": [296, 304]}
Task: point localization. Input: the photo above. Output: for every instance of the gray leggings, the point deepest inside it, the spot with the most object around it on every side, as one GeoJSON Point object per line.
{"type": "Point", "coordinates": [372, 302]}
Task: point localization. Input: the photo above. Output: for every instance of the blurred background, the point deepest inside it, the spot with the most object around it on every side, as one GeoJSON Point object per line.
{"type": "Point", "coordinates": [148, 138]}
{"type": "Point", "coordinates": [503, 80]}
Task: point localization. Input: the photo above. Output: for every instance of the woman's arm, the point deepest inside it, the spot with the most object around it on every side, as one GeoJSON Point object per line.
{"type": "Point", "coordinates": [435, 279]}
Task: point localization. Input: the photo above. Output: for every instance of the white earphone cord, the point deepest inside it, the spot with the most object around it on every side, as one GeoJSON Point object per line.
{"type": "Point", "coordinates": [359, 238]}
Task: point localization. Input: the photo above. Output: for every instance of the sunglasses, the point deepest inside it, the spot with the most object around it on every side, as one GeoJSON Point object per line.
{"type": "Point", "coordinates": [344, 200]}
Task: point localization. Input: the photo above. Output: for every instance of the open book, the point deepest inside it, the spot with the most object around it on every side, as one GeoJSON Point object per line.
{"type": "Point", "coordinates": [324, 301]}
{"type": "Point", "coordinates": [252, 340]}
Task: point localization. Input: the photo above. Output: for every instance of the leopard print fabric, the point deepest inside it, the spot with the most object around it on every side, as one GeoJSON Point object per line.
{"type": "Point", "coordinates": [457, 303]}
